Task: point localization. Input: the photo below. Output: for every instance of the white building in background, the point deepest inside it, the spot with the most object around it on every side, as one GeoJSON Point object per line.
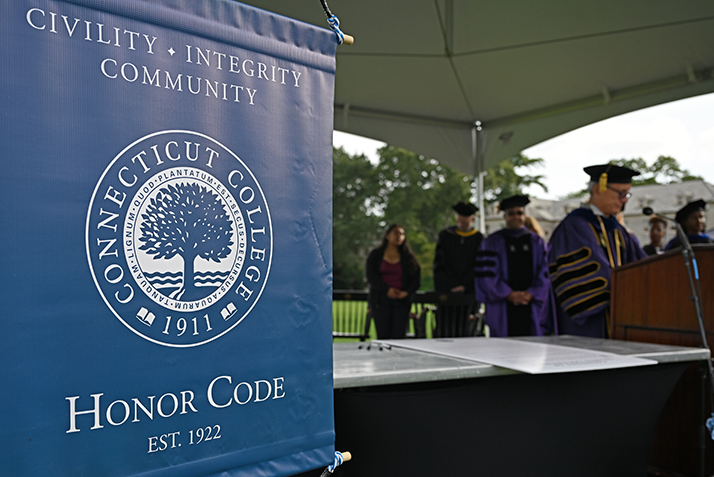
{"type": "Point", "coordinates": [663, 199]}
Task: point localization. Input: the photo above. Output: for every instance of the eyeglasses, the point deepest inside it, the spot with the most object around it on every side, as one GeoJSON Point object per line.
{"type": "Point", "coordinates": [623, 195]}
{"type": "Point", "coordinates": [512, 213]}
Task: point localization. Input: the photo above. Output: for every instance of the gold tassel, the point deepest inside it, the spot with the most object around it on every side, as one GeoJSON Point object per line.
{"type": "Point", "coordinates": [602, 183]}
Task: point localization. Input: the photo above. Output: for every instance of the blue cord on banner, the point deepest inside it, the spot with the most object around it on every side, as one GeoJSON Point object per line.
{"type": "Point", "coordinates": [710, 425]}
{"type": "Point", "coordinates": [339, 459]}
{"type": "Point", "coordinates": [334, 23]}
{"type": "Point", "coordinates": [337, 463]}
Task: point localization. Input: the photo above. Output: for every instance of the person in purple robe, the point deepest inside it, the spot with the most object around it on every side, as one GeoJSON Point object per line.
{"type": "Point", "coordinates": [584, 249]}
{"type": "Point", "coordinates": [512, 276]}
{"type": "Point", "coordinates": [693, 220]}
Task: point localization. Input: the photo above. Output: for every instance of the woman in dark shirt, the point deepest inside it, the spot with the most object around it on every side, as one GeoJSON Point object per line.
{"type": "Point", "coordinates": [394, 276]}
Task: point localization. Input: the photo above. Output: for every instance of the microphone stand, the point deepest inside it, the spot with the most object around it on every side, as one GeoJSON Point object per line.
{"type": "Point", "coordinates": [690, 262]}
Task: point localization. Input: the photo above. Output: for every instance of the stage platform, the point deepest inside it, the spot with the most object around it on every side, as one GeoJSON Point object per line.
{"type": "Point", "coordinates": [407, 412]}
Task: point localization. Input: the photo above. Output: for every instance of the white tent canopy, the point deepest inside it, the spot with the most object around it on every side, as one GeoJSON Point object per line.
{"type": "Point", "coordinates": [471, 82]}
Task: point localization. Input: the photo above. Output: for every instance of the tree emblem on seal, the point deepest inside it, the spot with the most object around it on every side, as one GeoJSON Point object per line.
{"type": "Point", "coordinates": [190, 221]}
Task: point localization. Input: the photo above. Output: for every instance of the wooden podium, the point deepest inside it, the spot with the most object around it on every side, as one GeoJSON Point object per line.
{"type": "Point", "coordinates": [651, 302]}
{"type": "Point", "coordinates": [651, 299]}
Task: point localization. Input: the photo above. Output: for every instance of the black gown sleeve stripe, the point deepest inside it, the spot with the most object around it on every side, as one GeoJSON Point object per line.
{"type": "Point", "coordinates": [596, 300]}
{"type": "Point", "coordinates": [580, 289]}
{"type": "Point", "coordinates": [578, 273]}
{"type": "Point", "coordinates": [484, 273]}
{"type": "Point", "coordinates": [570, 259]}
{"type": "Point", "coordinates": [485, 263]}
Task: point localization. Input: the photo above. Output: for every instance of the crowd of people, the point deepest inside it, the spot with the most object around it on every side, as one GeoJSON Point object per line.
{"type": "Point", "coordinates": [524, 285]}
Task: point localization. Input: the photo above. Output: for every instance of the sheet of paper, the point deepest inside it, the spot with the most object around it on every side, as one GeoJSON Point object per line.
{"type": "Point", "coordinates": [524, 356]}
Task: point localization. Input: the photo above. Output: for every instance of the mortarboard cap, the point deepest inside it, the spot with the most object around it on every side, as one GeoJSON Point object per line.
{"type": "Point", "coordinates": [610, 174]}
{"type": "Point", "coordinates": [465, 208]}
{"type": "Point", "coordinates": [514, 201]}
{"type": "Point", "coordinates": [690, 208]}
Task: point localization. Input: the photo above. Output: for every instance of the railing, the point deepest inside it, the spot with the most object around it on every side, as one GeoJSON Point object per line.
{"type": "Point", "coordinates": [349, 314]}
{"type": "Point", "coordinates": [351, 317]}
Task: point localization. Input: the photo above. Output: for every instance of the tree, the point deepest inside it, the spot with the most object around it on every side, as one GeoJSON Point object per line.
{"type": "Point", "coordinates": [664, 170]}
{"type": "Point", "coordinates": [418, 192]}
{"type": "Point", "coordinates": [355, 222]}
{"type": "Point", "coordinates": [190, 221]}
{"type": "Point", "coordinates": [503, 180]}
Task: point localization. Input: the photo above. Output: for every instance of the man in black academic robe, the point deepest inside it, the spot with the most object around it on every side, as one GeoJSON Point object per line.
{"type": "Point", "coordinates": [454, 263]}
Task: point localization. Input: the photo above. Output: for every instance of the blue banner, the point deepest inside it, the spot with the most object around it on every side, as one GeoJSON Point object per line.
{"type": "Point", "coordinates": [165, 238]}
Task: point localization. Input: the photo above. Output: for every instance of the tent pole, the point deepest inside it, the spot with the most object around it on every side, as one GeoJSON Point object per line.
{"type": "Point", "coordinates": [478, 168]}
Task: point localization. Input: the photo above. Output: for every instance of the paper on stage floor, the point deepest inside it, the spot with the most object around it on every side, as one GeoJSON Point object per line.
{"type": "Point", "coordinates": [524, 356]}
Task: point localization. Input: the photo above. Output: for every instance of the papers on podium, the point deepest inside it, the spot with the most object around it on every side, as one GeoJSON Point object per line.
{"type": "Point", "coordinates": [524, 356]}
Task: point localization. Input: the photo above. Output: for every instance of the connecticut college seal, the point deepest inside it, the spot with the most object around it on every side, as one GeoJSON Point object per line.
{"type": "Point", "coordinates": [179, 238]}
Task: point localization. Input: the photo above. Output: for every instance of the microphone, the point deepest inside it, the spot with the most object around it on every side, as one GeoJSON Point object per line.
{"type": "Point", "coordinates": [649, 211]}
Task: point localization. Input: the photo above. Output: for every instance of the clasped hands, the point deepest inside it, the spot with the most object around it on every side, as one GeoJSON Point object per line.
{"type": "Point", "coordinates": [519, 297]}
{"type": "Point", "coordinates": [396, 294]}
